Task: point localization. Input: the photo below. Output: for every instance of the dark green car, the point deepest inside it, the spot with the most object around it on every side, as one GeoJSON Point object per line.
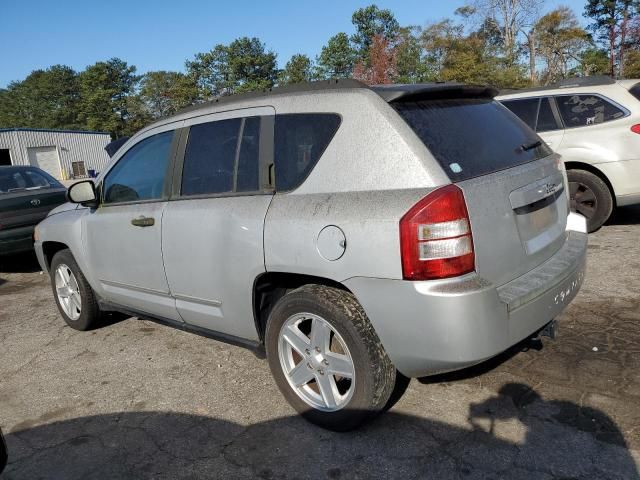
{"type": "Point", "coordinates": [27, 194]}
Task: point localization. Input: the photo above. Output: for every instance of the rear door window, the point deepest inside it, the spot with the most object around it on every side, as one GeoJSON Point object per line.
{"type": "Point", "coordinates": [470, 137]}
{"type": "Point", "coordinates": [300, 140]}
{"type": "Point", "coordinates": [546, 119]}
{"type": "Point", "coordinates": [584, 110]}
{"type": "Point", "coordinates": [526, 109]}
{"type": "Point", "coordinates": [209, 159]}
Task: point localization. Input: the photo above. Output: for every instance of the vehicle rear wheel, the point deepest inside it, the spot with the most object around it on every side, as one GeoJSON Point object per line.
{"type": "Point", "coordinates": [75, 298]}
{"type": "Point", "coordinates": [326, 358]}
{"type": "Point", "coordinates": [590, 197]}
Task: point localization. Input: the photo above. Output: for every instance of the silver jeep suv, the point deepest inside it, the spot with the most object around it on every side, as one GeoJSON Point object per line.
{"type": "Point", "coordinates": [356, 234]}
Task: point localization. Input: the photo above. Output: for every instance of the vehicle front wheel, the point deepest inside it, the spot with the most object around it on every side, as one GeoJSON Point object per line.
{"type": "Point", "coordinates": [75, 298]}
{"type": "Point", "coordinates": [327, 359]}
{"type": "Point", "coordinates": [590, 197]}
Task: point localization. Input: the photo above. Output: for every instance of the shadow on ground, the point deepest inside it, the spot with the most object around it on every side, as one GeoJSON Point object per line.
{"type": "Point", "coordinates": [19, 263]}
{"type": "Point", "coordinates": [625, 216]}
{"type": "Point", "coordinates": [515, 434]}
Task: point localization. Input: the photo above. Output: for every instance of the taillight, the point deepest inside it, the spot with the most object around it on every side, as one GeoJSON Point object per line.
{"type": "Point", "coordinates": [435, 237]}
{"type": "Point", "coordinates": [636, 128]}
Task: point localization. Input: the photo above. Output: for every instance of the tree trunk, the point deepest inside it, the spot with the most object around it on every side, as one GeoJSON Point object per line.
{"type": "Point", "coordinates": [623, 40]}
{"type": "Point", "coordinates": [531, 38]}
{"type": "Point", "coordinates": [612, 51]}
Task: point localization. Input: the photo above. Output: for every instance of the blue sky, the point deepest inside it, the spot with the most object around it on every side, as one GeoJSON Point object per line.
{"type": "Point", "coordinates": [161, 35]}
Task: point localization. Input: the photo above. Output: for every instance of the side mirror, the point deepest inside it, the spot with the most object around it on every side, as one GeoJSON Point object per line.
{"type": "Point", "coordinates": [83, 193]}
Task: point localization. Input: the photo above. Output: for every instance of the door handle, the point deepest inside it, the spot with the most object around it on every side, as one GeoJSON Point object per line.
{"type": "Point", "coordinates": [143, 221]}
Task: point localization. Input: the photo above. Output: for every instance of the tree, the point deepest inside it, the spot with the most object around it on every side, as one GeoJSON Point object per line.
{"type": "Point", "coordinates": [410, 64]}
{"type": "Point", "coordinates": [242, 66]}
{"type": "Point", "coordinates": [370, 22]}
{"type": "Point", "coordinates": [45, 99]}
{"type": "Point", "coordinates": [592, 61]}
{"type": "Point", "coordinates": [164, 93]}
{"type": "Point", "coordinates": [560, 39]}
{"type": "Point", "coordinates": [611, 21]}
{"type": "Point", "coordinates": [511, 18]}
{"type": "Point", "coordinates": [105, 88]}
{"type": "Point", "coordinates": [297, 70]}
{"type": "Point", "coordinates": [381, 65]}
{"type": "Point", "coordinates": [336, 59]}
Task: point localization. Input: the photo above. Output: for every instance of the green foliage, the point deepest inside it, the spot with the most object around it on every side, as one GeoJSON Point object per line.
{"type": "Point", "coordinates": [297, 70]}
{"type": "Point", "coordinates": [336, 59]}
{"type": "Point", "coordinates": [45, 99]}
{"type": "Point", "coordinates": [369, 22]}
{"type": "Point", "coordinates": [632, 64]}
{"type": "Point", "coordinates": [410, 64]}
{"type": "Point", "coordinates": [105, 88]}
{"type": "Point", "coordinates": [592, 61]}
{"type": "Point", "coordinates": [164, 93]}
{"type": "Point", "coordinates": [242, 66]}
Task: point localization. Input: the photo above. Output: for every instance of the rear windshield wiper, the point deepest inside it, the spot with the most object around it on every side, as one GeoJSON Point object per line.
{"type": "Point", "coordinates": [530, 146]}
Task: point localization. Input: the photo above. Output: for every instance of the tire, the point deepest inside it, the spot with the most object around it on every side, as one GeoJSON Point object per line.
{"type": "Point", "coordinates": [88, 315]}
{"type": "Point", "coordinates": [337, 316]}
{"type": "Point", "coordinates": [590, 197]}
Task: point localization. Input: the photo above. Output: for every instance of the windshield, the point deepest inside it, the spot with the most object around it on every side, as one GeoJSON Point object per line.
{"type": "Point", "coordinates": [17, 180]}
{"type": "Point", "coordinates": [470, 137]}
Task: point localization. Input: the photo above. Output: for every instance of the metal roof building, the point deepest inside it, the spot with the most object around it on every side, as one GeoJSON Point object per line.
{"type": "Point", "coordinates": [65, 154]}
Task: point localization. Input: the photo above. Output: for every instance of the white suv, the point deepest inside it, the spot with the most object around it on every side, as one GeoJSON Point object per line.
{"type": "Point", "coordinates": [594, 123]}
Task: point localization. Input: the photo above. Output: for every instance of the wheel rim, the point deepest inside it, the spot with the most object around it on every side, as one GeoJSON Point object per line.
{"type": "Point", "coordinates": [583, 199]}
{"type": "Point", "coordinates": [316, 362]}
{"type": "Point", "coordinates": [68, 292]}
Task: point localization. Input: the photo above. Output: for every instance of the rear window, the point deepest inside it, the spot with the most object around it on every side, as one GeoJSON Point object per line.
{"type": "Point", "coordinates": [470, 137]}
{"type": "Point", "coordinates": [635, 90]}
{"type": "Point", "coordinates": [25, 179]}
{"type": "Point", "coordinates": [300, 140]}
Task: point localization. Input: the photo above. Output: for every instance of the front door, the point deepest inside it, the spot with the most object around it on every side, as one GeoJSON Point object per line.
{"type": "Point", "coordinates": [123, 235]}
{"type": "Point", "coordinates": [212, 232]}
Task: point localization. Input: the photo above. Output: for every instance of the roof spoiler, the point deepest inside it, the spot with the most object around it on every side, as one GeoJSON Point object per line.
{"type": "Point", "coordinates": [113, 147]}
{"type": "Point", "coordinates": [407, 93]}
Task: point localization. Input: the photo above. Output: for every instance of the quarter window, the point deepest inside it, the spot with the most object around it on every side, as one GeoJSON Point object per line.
{"type": "Point", "coordinates": [300, 140]}
{"type": "Point", "coordinates": [584, 110]}
{"type": "Point", "coordinates": [139, 175]}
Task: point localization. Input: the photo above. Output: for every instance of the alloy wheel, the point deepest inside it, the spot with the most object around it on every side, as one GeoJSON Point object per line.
{"type": "Point", "coordinates": [68, 292]}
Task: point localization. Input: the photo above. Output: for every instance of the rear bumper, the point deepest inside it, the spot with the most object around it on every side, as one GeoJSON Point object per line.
{"type": "Point", "coordinates": [16, 240]}
{"type": "Point", "coordinates": [437, 326]}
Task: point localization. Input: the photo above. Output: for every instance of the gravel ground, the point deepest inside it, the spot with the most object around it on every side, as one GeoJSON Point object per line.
{"type": "Point", "coordinates": [138, 400]}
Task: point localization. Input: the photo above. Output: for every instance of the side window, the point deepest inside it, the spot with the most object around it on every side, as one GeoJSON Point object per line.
{"type": "Point", "coordinates": [300, 140]}
{"type": "Point", "coordinates": [635, 91]}
{"type": "Point", "coordinates": [527, 110]}
{"type": "Point", "coordinates": [140, 173]}
{"type": "Point", "coordinates": [209, 159]}
{"type": "Point", "coordinates": [247, 177]}
{"type": "Point", "coordinates": [36, 179]}
{"type": "Point", "coordinates": [546, 120]}
{"type": "Point", "coordinates": [583, 110]}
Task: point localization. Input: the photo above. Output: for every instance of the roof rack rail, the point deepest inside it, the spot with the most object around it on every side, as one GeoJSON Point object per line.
{"type": "Point", "coordinates": [585, 81]}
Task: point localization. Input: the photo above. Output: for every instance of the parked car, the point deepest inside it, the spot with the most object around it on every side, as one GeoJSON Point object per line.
{"type": "Point", "coordinates": [594, 123]}
{"type": "Point", "coordinates": [352, 232]}
{"type": "Point", "coordinates": [27, 194]}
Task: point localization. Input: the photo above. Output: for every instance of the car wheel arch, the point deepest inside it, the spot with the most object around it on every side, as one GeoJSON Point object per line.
{"type": "Point", "coordinates": [572, 165]}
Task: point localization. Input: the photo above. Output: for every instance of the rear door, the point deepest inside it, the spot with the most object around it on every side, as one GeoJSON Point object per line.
{"type": "Point", "coordinates": [123, 235]}
{"type": "Point", "coordinates": [513, 186]}
{"type": "Point", "coordinates": [212, 232]}
{"type": "Point", "coordinates": [541, 115]}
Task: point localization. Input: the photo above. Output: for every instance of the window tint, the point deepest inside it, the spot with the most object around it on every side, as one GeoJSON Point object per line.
{"type": "Point", "coordinates": [10, 181]}
{"type": "Point", "coordinates": [247, 179]}
{"type": "Point", "coordinates": [140, 173]}
{"type": "Point", "coordinates": [471, 136]}
{"type": "Point", "coordinates": [546, 119]}
{"type": "Point", "coordinates": [209, 159]}
{"type": "Point", "coordinates": [582, 110]}
{"type": "Point", "coordinates": [527, 110]}
{"type": "Point", "coordinates": [36, 179]}
{"type": "Point", "coordinates": [300, 140]}
{"type": "Point", "coordinates": [635, 90]}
